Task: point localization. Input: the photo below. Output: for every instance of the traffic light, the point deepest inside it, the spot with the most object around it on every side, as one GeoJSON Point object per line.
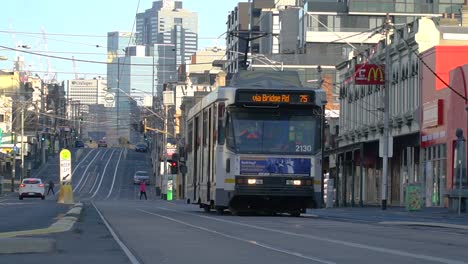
{"type": "Point", "coordinates": [43, 138]}
{"type": "Point", "coordinates": [174, 167]}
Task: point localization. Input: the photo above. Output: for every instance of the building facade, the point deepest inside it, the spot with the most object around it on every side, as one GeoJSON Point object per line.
{"type": "Point", "coordinates": [443, 112]}
{"type": "Point", "coordinates": [357, 163]}
{"type": "Point", "coordinates": [236, 43]}
{"type": "Point", "coordinates": [173, 31]}
{"type": "Point", "coordinates": [87, 92]}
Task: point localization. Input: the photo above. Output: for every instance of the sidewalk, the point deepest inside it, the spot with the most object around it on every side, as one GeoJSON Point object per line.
{"type": "Point", "coordinates": [437, 217]}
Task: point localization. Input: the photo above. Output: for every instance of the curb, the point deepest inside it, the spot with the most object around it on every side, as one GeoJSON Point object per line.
{"type": "Point", "coordinates": [10, 243]}
{"type": "Point", "coordinates": [429, 224]}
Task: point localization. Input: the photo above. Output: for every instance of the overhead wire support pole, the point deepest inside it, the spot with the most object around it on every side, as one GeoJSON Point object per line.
{"type": "Point", "coordinates": [386, 114]}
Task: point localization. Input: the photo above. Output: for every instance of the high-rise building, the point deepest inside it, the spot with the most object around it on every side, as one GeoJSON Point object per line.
{"type": "Point", "coordinates": [87, 92]}
{"type": "Point", "coordinates": [117, 69]}
{"type": "Point", "coordinates": [117, 42]}
{"type": "Point", "coordinates": [172, 31]}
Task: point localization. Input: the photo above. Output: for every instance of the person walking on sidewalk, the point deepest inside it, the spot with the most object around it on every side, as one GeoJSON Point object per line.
{"type": "Point", "coordinates": [51, 187]}
{"type": "Point", "coordinates": [143, 189]}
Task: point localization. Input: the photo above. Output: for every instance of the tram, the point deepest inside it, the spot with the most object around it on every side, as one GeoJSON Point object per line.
{"type": "Point", "coordinates": [256, 146]}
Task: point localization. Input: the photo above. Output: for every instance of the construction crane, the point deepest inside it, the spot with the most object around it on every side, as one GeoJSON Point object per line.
{"type": "Point", "coordinates": [48, 75]}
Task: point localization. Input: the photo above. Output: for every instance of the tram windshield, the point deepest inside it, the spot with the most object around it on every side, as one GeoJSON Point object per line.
{"type": "Point", "coordinates": [290, 131]}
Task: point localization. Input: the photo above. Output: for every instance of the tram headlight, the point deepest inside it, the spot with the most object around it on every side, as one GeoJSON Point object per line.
{"type": "Point", "coordinates": [294, 182]}
{"type": "Point", "coordinates": [254, 181]}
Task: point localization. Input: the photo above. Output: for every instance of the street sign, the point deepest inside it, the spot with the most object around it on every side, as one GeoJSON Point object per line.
{"type": "Point", "coordinates": [65, 167]}
{"type": "Point", "coordinates": [390, 147]}
{"type": "Point", "coordinates": [109, 98]}
{"type": "Point", "coordinates": [66, 191]}
{"type": "Point", "coordinates": [168, 97]}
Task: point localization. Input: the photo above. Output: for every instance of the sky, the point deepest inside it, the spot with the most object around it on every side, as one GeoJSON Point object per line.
{"type": "Point", "coordinates": [48, 26]}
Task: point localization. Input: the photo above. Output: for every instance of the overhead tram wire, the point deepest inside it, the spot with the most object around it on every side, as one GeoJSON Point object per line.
{"type": "Point", "coordinates": [68, 35]}
{"type": "Point", "coordinates": [87, 61]}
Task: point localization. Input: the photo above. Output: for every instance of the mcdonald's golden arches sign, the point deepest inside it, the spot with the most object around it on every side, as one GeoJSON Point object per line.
{"type": "Point", "coordinates": [369, 74]}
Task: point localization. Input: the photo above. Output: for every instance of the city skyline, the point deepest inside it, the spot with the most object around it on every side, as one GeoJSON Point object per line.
{"type": "Point", "coordinates": [61, 39]}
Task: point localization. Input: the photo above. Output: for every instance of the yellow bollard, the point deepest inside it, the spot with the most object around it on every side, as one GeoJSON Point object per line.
{"type": "Point", "coordinates": [66, 194]}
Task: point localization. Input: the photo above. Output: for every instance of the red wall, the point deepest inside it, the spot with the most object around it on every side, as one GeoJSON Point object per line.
{"type": "Point", "coordinates": [451, 64]}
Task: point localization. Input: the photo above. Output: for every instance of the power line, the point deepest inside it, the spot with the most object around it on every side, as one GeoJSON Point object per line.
{"type": "Point", "coordinates": [71, 35]}
{"type": "Point", "coordinates": [418, 55]}
{"type": "Point", "coordinates": [53, 34]}
{"type": "Point", "coordinates": [357, 34]}
{"type": "Point", "coordinates": [91, 61]}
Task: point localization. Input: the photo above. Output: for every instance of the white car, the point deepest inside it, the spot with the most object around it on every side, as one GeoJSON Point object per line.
{"type": "Point", "coordinates": [141, 176]}
{"type": "Point", "coordinates": [31, 187]}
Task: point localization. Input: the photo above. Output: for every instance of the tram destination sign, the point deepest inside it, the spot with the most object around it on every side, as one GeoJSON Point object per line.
{"type": "Point", "coordinates": [276, 97]}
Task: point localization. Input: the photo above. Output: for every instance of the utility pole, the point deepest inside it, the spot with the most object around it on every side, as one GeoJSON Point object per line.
{"type": "Point", "coordinates": [460, 157]}
{"type": "Point", "coordinates": [22, 143]}
{"type": "Point", "coordinates": [168, 99]}
{"type": "Point", "coordinates": [118, 100]}
{"type": "Point", "coordinates": [165, 139]}
{"type": "Point", "coordinates": [386, 114]}
{"type": "Point", "coordinates": [43, 158]}
{"type": "Point", "coordinates": [13, 170]}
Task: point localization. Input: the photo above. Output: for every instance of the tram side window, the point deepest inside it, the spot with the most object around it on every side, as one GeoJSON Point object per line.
{"type": "Point", "coordinates": [221, 132]}
{"type": "Point", "coordinates": [229, 132]}
{"type": "Point", "coordinates": [221, 127]}
{"type": "Point", "coordinates": [205, 128]}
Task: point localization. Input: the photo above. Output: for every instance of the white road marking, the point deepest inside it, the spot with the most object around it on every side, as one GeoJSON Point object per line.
{"type": "Point", "coordinates": [251, 242]}
{"type": "Point", "coordinates": [115, 174]}
{"type": "Point", "coordinates": [84, 173]}
{"type": "Point", "coordinates": [76, 167]}
{"type": "Point", "coordinates": [87, 177]}
{"type": "Point", "coordinates": [334, 241]}
{"type": "Point", "coordinates": [95, 181]}
{"type": "Point", "coordinates": [127, 251]}
{"type": "Point", "coordinates": [103, 173]}
{"type": "Point", "coordinates": [102, 158]}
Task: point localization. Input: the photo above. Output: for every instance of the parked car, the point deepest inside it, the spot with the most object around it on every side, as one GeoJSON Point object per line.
{"type": "Point", "coordinates": [31, 187]}
{"type": "Point", "coordinates": [141, 176]}
{"type": "Point", "coordinates": [141, 147]}
{"type": "Point", "coordinates": [79, 144]}
{"type": "Point", "coordinates": [102, 144]}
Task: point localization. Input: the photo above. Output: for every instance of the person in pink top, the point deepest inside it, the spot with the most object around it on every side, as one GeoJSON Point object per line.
{"type": "Point", "coordinates": [143, 189]}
